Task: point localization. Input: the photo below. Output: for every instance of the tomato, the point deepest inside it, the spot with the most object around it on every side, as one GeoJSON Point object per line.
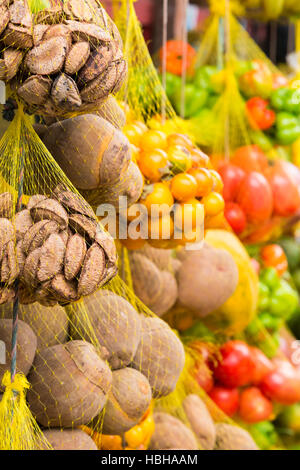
{"type": "Point", "coordinates": [213, 204]}
{"type": "Point", "coordinates": [218, 183]}
{"type": "Point", "coordinates": [141, 125]}
{"type": "Point", "coordinates": [180, 159]}
{"type": "Point", "coordinates": [232, 177]}
{"type": "Point", "coordinates": [174, 50]}
{"type": "Point", "coordinates": [274, 256]}
{"type": "Point", "coordinates": [204, 377]}
{"type": "Point", "coordinates": [133, 244]}
{"type": "Point", "coordinates": [259, 116]}
{"type": "Point", "coordinates": [250, 158]}
{"type": "Point", "coordinates": [254, 406]}
{"type": "Point", "coordinates": [199, 159]}
{"type": "Point", "coordinates": [226, 399]}
{"type": "Point", "coordinates": [255, 198]}
{"type": "Point", "coordinates": [204, 181]}
{"type": "Point", "coordinates": [282, 384]}
{"type": "Point", "coordinates": [184, 187]}
{"type": "Point", "coordinates": [236, 217]}
{"type": "Point", "coordinates": [133, 133]}
{"type": "Point", "coordinates": [262, 365]}
{"type": "Point", "coordinates": [189, 214]}
{"type": "Point", "coordinates": [284, 179]}
{"type": "Point", "coordinates": [161, 228]}
{"type": "Point", "coordinates": [158, 194]}
{"type": "Point", "coordinates": [236, 366]}
{"type": "Point", "coordinates": [153, 164]}
{"type": "Point", "coordinates": [180, 139]}
{"type": "Point", "coordinates": [153, 139]}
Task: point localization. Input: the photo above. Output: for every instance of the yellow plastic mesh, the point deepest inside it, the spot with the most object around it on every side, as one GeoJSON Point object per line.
{"type": "Point", "coordinates": [89, 352]}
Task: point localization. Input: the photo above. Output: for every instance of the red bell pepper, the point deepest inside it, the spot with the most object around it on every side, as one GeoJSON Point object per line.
{"type": "Point", "coordinates": [260, 117]}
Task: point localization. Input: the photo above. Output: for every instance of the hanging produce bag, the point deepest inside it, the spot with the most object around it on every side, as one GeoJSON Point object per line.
{"type": "Point", "coordinates": [255, 118]}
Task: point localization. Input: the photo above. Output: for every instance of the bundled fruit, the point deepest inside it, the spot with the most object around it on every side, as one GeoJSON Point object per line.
{"type": "Point", "coordinates": [245, 383]}
{"type": "Point", "coordinates": [55, 247]}
{"type": "Point", "coordinates": [62, 59]}
{"type": "Point", "coordinates": [181, 189]}
{"type": "Point", "coordinates": [260, 195]}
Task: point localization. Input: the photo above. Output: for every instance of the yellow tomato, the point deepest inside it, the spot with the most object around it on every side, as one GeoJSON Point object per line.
{"type": "Point", "coordinates": [141, 125]}
{"type": "Point", "coordinates": [133, 244]}
{"type": "Point", "coordinates": [153, 139]}
{"type": "Point", "coordinates": [213, 204]}
{"type": "Point", "coordinates": [199, 159]}
{"type": "Point", "coordinates": [158, 194]}
{"type": "Point", "coordinates": [153, 164]}
{"type": "Point", "coordinates": [180, 159]}
{"type": "Point", "coordinates": [180, 139]}
{"type": "Point", "coordinates": [218, 183]}
{"type": "Point", "coordinates": [161, 228]}
{"type": "Point", "coordinates": [184, 187]}
{"type": "Point", "coordinates": [188, 215]}
{"type": "Point", "coordinates": [204, 180]}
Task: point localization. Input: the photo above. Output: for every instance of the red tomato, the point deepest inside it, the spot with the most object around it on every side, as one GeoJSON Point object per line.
{"type": "Point", "coordinates": [284, 179]}
{"type": "Point", "coordinates": [236, 366]}
{"type": "Point", "coordinates": [282, 384]}
{"type": "Point", "coordinates": [236, 217]}
{"type": "Point", "coordinates": [255, 198]}
{"type": "Point", "coordinates": [273, 255]}
{"type": "Point", "coordinates": [260, 117]}
{"type": "Point", "coordinates": [232, 177]}
{"type": "Point", "coordinates": [254, 406]}
{"type": "Point", "coordinates": [204, 376]}
{"type": "Point", "coordinates": [262, 365]}
{"type": "Point", "coordinates": [250, 158]}
{"type": "Point", "coordinates": [227, 399]}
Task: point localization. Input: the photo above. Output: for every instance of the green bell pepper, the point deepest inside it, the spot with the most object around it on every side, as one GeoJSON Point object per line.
{"type": "Point", "coordinates": [279, 97]}
{"type": "Point", "coordinates": [287, 128]}
{"type": "Point", "coordinates": [203, 76]}
{"type": "Point", "coordinates": [195, 100]}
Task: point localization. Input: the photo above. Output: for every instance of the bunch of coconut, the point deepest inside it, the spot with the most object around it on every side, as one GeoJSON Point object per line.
{"type": "Point", "coordinates": [63, 59]}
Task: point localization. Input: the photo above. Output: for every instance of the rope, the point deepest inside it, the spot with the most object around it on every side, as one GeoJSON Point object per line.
{"type": "Point", "coordinates": [184, 58]}
{"type": "Point", "coordinates": [13, 366]}
{"type": "Point", "coordinates": [164, 59]}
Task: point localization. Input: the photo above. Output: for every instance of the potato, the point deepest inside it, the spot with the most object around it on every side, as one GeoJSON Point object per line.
{"type": "Point", "coordinates": [70, 384]}
{"type": "Point", "coordinates": [206, 279]}
{"type": "Point", "coordinates": [160, 356]}
{"type": "Point", "coordinates": [128, 400]}
{"type": "Point", "coordinates": [114, 322]}
{"type": "Point", "coordinates": [171, 433]}
{"type": "Point", "coordinates": [74, 439]}
{"type": "Point", "coordinates": [160, 257]}
{"type": "Point", "coordinates": [200, 420]}
{"type": "Point", "coordinates": [230, 437]}
{"type": "Point", "coordinates": [111, 111]}
{"type": "Point", "coordinates": [26, 346]}
{"type": "Point", "coordinates": [146, 278]}
{"type": "Point", "coordinates": [50, 324]}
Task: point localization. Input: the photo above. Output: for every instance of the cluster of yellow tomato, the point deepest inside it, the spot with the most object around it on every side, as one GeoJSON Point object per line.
{"type": "Point", "coordinates": [175, 171]}
{"type": "Point", "coordinates": [137, 438]}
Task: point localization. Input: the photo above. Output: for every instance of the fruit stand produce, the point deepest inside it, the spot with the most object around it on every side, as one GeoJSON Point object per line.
{"type": "Point", "coordinates": [182, 334]}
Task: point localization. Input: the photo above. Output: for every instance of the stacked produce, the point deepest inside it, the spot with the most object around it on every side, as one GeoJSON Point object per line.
{"type": "Point", "coordinates": [179, 176]}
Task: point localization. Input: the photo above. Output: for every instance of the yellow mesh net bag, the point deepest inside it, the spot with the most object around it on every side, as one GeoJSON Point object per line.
{"type": "Point", "coordinates": [88, 347]}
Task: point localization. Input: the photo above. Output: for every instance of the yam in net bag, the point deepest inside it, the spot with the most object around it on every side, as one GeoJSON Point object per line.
{"type": "Point", "coordinates": [78, 357]}
{"type": "Point", "coordinates": [247, 124]}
